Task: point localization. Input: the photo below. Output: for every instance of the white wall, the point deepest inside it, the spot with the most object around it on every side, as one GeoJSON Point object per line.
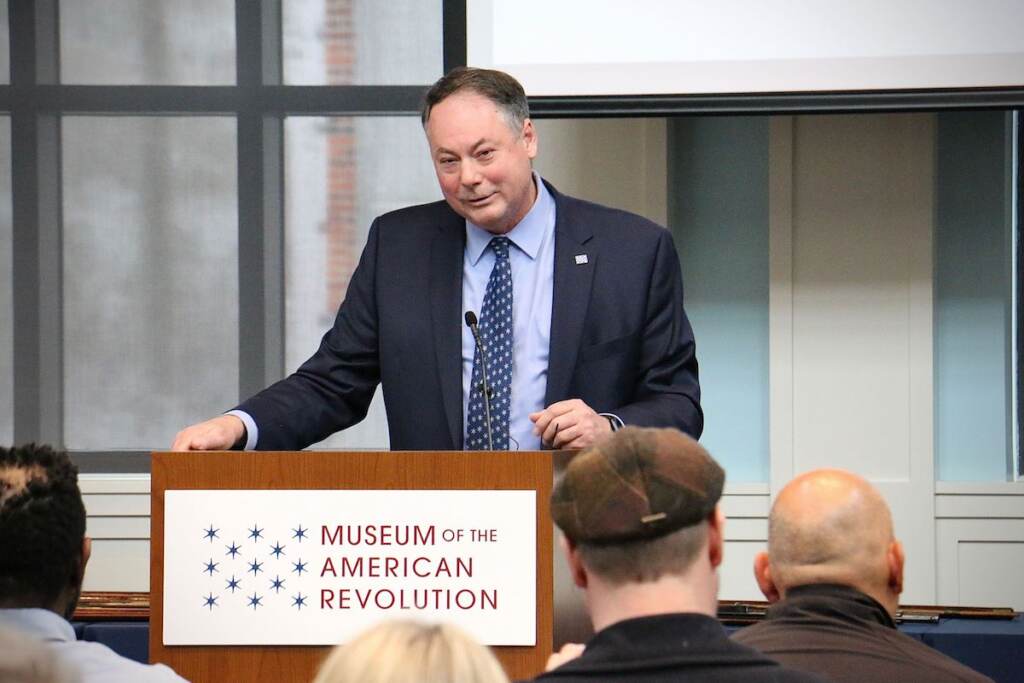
{"type": "Point", "coordinates": [618, 162]}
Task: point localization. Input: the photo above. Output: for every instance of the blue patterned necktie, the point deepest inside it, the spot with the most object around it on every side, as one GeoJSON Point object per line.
{"type": "Point", "coordinates": [496, 338]}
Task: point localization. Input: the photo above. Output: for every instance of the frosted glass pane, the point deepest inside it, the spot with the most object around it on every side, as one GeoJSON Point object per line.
{"type": "Point", "coordinates": [150, 277]}
{"type": "Point", "coordinates": [148, 42]}
{"type": "Point", "coordinates": [362, 42]}
{"type": "Point", "coordinates": [6, 294]}
{"type": "Point", "coordinates": [718, 212]}
{"type": "Point", "coordinates": [5, 48]}
{"type": "Point", "coordinates": [973, 299]}
{"type": "Point", "coordinates": [339, 176]}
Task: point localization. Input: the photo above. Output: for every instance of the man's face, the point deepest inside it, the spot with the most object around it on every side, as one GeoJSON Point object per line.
{"type": "Point", "coordinates": [483, 165]}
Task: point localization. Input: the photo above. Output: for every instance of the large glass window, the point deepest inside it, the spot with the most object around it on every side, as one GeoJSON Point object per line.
{"type": "Point", "coordinates": [6, 301]}
{"type": "Point", "coordinates": [361, 42]}
{"type": "Point", "coordinates": [973, 298]}
{"type": "Point", "coordinates": [5, 46]}
{"type": "Point", "coordinates": [148, 224]}
{"type": "Point", "coordinates": [341, 173]}
{"type": "Point", "coordinates": [720, 211]}
{"type": "Point", "coordinates": [150, 277]}
{"type": "Point", "coordinates": [147, 42]}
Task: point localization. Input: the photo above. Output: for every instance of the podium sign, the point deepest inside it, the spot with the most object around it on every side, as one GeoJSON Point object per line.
{"type": "Point", "coordinates": [315, 567]}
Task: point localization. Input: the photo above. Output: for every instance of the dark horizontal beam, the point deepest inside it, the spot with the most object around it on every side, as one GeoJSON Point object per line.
{"type": "Point", "coordinates": [775, 103]}
{"type": "Point", "coordinates": [363, 100]}
{"type": "Point", "coordinates": [380, 100]}
{"type": "Point", "coordinates": [102, 462]}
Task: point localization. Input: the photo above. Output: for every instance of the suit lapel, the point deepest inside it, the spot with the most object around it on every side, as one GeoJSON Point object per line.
{"type": "Point", "coordinates": [574, 274]}
{"type": "Point", "coordinates": [446, 261]}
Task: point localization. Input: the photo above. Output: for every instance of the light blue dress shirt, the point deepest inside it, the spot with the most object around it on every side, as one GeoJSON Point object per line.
{"type": "Point", "coordinates": [93, 662]}
{"type": "Point", "coordinates": [532, 258]}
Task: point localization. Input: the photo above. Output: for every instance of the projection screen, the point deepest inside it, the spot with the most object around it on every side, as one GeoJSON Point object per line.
{"type": "Point", "coordinates": [666, 47]}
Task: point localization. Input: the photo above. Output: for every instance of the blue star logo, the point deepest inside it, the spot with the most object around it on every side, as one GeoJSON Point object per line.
{"type": "Point", "coordinates": [300, 566]}
{"type": "Point", "coordinates": [277, 550]}
{"type": "Point", "coordinates": [299, 601]}
{"type": "Point", "coordinates": [210, 533]}
{"type": "Point", "coordinates": [210, 601]}
{"type": "Point", "coordinates": [233, 549]}
{"type": "Point", "coordinates": [255, 567]}
{"type": "Point", "coordinates": [255, 533]}
{"type": "Point", "coordinates": [299, 533]}
{"type": "Point", "coordinates": [255, 601]}
{"type": "Point", "coordinates": [234, 584]}
{"type": "Point", "coordinates": [211, 567]}
{"type": "Point", "coordinates": [277, 584]}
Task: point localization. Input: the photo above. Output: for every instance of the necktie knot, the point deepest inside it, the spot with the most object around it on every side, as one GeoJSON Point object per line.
{"type": "Point", "coordinates": [500, 247]}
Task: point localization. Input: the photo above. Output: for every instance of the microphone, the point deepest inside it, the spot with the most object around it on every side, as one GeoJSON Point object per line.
{"type": "Point", "coordinates": [485, 389]}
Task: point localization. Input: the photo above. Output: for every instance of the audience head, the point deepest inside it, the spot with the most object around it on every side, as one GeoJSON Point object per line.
{"type": "Point", "coordinates": [831, 526]}
{"type": "Point", "coordinates": [41, 516]}
{"type": "Point", "coordinates": [411, 652]}
{"type": "Point", "coordinates": [640, 508]}
{"type": "Point", "coordinates": [497, 86]}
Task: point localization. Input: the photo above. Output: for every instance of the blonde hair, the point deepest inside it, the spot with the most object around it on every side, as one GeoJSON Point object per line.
{"type": "Point", "coordinates": [411, 652]}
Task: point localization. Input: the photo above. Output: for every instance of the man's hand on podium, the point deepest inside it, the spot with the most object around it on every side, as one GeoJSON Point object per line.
{"type": "Point", "coordinates": [569, 424]}
{"type": "Point", "coordinates": [219, 434]}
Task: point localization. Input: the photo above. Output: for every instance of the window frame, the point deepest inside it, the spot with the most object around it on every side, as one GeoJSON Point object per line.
{"type": "Point", "coordinates": [36, 100]}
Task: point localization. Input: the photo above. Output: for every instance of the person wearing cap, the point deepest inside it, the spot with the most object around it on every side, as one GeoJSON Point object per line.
{"type": "Point", "coordinates": [834, 573]}
{"type": "Point", "coordinates": [642, 533]}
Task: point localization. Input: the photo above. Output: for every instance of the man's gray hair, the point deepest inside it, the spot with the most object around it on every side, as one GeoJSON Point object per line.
{"type": "Point", "coordinates": [497, 86]}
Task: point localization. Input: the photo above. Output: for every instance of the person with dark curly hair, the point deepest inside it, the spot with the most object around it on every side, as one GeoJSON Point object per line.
{"type": "Point", "coordinates": [43, 553]}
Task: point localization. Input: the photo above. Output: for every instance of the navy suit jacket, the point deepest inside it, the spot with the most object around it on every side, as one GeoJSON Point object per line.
{"type": "Point", "coordinates": [620, 339]}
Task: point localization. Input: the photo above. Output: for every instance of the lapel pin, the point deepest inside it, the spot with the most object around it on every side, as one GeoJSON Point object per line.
{"type": "Point", "coordinates": [581, 259]}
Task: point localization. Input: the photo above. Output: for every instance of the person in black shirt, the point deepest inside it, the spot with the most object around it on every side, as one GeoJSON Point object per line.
{"type": "Point", "coordinates": [835, 572]}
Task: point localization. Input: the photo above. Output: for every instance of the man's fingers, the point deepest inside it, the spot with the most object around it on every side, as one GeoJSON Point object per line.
{"type": "Point", "coordinates": [563, 407]}
{"type": "Point", "coordinates": [578, 443]}
{"type": "Point", "coordinates": [218, 434]}
{"type": "Point", "coordinates": [564, 423]}
{"type": "Point", "coordinates": [541, 421]}
{"type": "Point", "coordinates": [566, 436]}
{"type": "Point", "coordinates": [558, 427]}
{"type": "Point", "coordinates": [189, 440]}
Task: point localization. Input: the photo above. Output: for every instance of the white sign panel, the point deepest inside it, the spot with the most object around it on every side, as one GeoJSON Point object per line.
{"type": "Point", "coordinates": [317, 567]}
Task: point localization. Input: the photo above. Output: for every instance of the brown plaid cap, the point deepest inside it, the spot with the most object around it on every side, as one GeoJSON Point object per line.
{"type": "Point", "coordinates": [638, 484]}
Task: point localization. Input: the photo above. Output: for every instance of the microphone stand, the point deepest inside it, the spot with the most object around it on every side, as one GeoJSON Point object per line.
{"type": "Point", "coordinates": [471, 322]}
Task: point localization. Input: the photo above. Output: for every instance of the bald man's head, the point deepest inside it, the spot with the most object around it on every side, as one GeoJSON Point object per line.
{"type": "Point", "coordinates": [831, 526]}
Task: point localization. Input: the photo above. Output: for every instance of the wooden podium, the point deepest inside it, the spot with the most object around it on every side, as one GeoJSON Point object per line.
{"type": "Point", "coordinates": [361, 470]}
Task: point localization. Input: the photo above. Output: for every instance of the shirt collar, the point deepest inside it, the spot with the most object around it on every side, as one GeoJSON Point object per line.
{"type": "Point", "coordinates": [39, 623]}
{"type": "Point", "coordinates": [528, 235]}
{"type": "Point", "coordinates": [827, 599]}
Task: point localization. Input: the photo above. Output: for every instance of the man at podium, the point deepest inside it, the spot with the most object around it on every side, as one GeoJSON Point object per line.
{"type": "Point", "coordinates": [508, 316]}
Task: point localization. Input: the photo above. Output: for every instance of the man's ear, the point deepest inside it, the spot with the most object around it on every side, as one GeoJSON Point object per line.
{"type": "Point", "coordinates": [572, 557]}
{"type": "Point", "coordinates": [530, 138]}
{"type": "Point", "coordinates": [896, 560]}
{"type": "Point", "coordinates": [86, 554]}
{"type": "Point", "coordinates": [763, 576]}
{"type": "Point", "coordinates": [716, 536]}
